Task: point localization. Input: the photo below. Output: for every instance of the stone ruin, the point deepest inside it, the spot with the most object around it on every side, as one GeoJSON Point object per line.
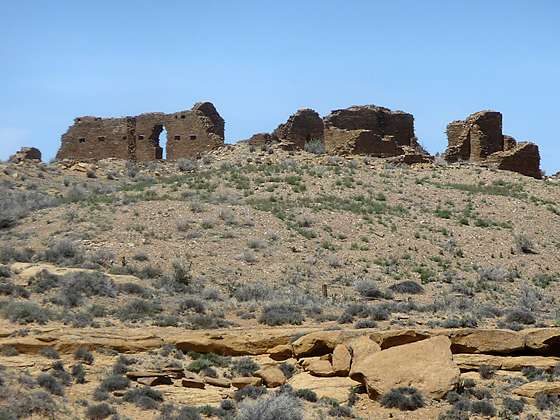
{"type": "Point", "coordinates": [479, 139]}
{"type": "Point", "coordinates": [367, 129]}
{"type": "Point", "coordinates": [26, 154]}
{"type": "Point", "coordinates": [189, 134]}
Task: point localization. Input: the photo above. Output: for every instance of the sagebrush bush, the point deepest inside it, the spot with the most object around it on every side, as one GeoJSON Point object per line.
{"type": "Point", "coordinates": [16, 204]}
{"type": "Point", "coordinates": [37, 403]}
{"type": "Point", "coordinates": [483, 407]}
{"type": "Point", "coordinates": [281, 407]}
{"type": "Point", "coordinates": [114, 383]}
{"type": "Point", "coordinates": [250, 391]}
{"type": "Point", "coordinates": [192, 304]}
{"type": "Point", "coordinates": [256, 292]}
{"type": "Point", "coordinates": [287, 369]}
{"type": "Point", "coordinates": [497, 274]}
{"type": "Point", "coordinates": [138, 309]}
{"type": "Point", "coordinates": [99, 411]}
{"type": "Point", "coordinates": [513, 406]}
{"type": "Point", "coordinates": [25, 313]}
{"type": "Point", "coordinates": [315, 146]}
{"type": "Point", "coordinates": [368, 289]}
{"type": "Point", "coordinates": [50, 383]}
{"type": "Point", "coordinates": [306, 394]}
{"type": "Point", "coordinates": [281, 314]}
{"type": "Point", "coordinates": [145, 397]}
{"type": "Point", "coordinates": [64, 252]}
{"type": "Point", "coordinates": [133, 289]}
{"type": "Point", "coordinates": [79, 373]}
{"type": "Point", "coordinates": [407, 287]}
{"type": "Point", "coordinates": [244, 366]}
{"type": "Point", "coordinates": [521, 316]}
{"type": "Point", "coordinates": [44, 281]}
{"type": "Point", "coordinates": [524, 244]}
{"type": "Point", "coordinates": [486, 371]}
{"type": "Point", "coordinates": [365, 323]}
{"type": "Point", "coordinates": [84, 355]}
{"type": "Point", "coordinates": [403, 398]}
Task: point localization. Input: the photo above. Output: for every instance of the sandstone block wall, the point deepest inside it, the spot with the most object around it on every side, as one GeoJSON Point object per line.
{"type": "Point", "coordinates": [479, 138]}
{"type": "Point", "coordinates": [189, 133]}
{"type": "Point", "coordinates": [301, 127]}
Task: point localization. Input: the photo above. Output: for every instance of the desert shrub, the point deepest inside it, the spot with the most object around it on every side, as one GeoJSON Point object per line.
{"type": "Point", "coordinates": [114, 383]}
{"type": "Point", "coordinates": [64, 252]}
{"type": "Point", "coordinates": [454, 414]}
{"type": "Point", "coordinates": [524, 244]}
{"type": "Point", "coordinates": [533, 373]}
{"type": "Point", "coordinates": [37, 403]}
{"type": "Point", "coordinates": [79, 373]}
{"type": "Point", "coordinates": [403, 398]}
{"type": "Point", "coordinates": [483, 407]}
{"type": "Point", "coordinates": [16, 204]}
{"type": "Point", "coordinates": [248, 256]}
{"type": "Point", "coordinates": [306, 394]}
{"type": "Point", "coordinates": [378, 312]}
{"type": "Point", "coordinates": [78, 320]}
{"type": "Point", "coordinates": [546, 401]}
{"type": "Point", "coordinates": [281, 314]}
{"type": "Point", "coordinates": [250, 391]}
{"type": "Point", "coordinates": [138, 309]}
{"type": "Point", "coordinates": [256, 244]}
{"type": "Point", "coordinates": [121, 365]}
{"type": "Point", "coordinates": [287, 369]}
{"type": "Point", "coordinates": [84, 355]}
{"type": "Point", "coordinates": [44, 281]}
{"type": "Point", "coordinates": [208, 321]}
{"type": "Point", "coordinates": [244, 366]}
{"type": "Point", "coordinates": [408, 287]}
{"type": "Point", "coordinates": [211, 294]}
{"type": "Point", "coordinates": [9, 252]}
{"type": "Point", "coordinates": [521, 316]}
{"type": "Point", "coordinates": [513, 406]}
{"type": "Point", "coordinates": [5, 272]}
{"type": "Point", "coordinates": [365, 323]}
{"type": "Point", "coordinates": [315, 146]}
{"type": "Point", "coordinates": [256, 292]}
{"type": "Point", "coordinates": [486, 371]}
{"type": "Point", "coordinates": [368, 289]}
{"type": "Point", "coordinates": [90, 283]}
{"type": "Point", "coordinates": [140, 256]}
{"type": "Point", "coordinates": [184, 164]}
{"type": "Point", "coordinates": [101, 257]}
{"type": "Point", "coordinates": [99, 411]}
{"type": "Point", "coordinates": [49, 353]}
{"type": "Point", "coordinates": [133, 289]}
{"type": "Point", "coordinates": [192, 304]}
{"type": "Point", "coordinates": [25, 313]}
{"type": "Point", "coordinates": [8, 351]}
{"type": "Point", "coordinates": [341, 411]}
{"type": "Point", "coordinates": [60, 373]}
{"type": "Point", "coordinates": [13, 290]}
{"type": "Point", "coordinates": [181, 272]}
{"type": "Point", "coordinates": [463, 322]}
{"type": "Point", "coordinates": [227, 405]}
{"type": "Point", "coordinates": [145, 397]}
{"type": "Point", "coordinates": [281, 407]}
{"type": "Point", "coordinates": [50, 383]}
{"type": "Point", "coordinates": [497, 274]}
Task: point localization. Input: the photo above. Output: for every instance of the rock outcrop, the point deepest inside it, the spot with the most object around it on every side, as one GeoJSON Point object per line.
{"type": "Point", "coordinates": [426, 365]}
{"type": "Point", "coordinates": [26, 154]}
{"type": "Point", "coordinates": [479, 139]}
{"type": "Point", "coordinates": [189, 134]}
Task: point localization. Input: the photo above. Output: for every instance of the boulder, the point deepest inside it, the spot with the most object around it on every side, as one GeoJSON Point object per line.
{"type": "Point", "coordinates": [392, 338]}
{"type": "Point", "coordinates": [26, 154]}
{"type": "Point", "coordinates": [319, 367]}
{"type": "Point", "coordinates": [341, 360]}
{"type": "Point", "coordinates": [426, 365]}
{"type": "Point", "coordinates": [485, 341]}
{"type": "Point", "coordinates": [192, 380]}
{"type": "Point", "coordinates": [219, 382]}
{"type": "Point", "coordinates": [543, 340]}
{"type": "Point", "coordinates": [272, 376]}
{"type": "Point", "coordinates": [281, 352]}
{"type": "Point", "coordinates": [321, 342]}
{"type": "Point", "coordinates": [532, 389]}
{"type": "Point", "coordinates": [155, 380]}
{"type": "Point", "coordinates": [362, 347]}
{"type": "Point", "coordinates": [474, 361]}
{"type": "Point", "coordinates": [242, 382]}
{"type": "Point", "coordinates": [336, 387]}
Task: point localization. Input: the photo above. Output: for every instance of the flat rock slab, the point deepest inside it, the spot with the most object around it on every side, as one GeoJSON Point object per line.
{"type": "Point", "coordinates": [426, 365]}
{"type": "Point", "coordinates": [474, 361]}
{"type": "Point", "coordinates": [335, 387]}
{"type": "Point", "coordinates": [531, 389]}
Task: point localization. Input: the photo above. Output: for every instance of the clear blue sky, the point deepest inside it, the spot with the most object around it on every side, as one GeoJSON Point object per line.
{"type": "Point", "coordinates": [259, 61]}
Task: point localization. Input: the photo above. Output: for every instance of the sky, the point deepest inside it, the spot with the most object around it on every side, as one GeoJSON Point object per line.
{"type": "Point", "coordinates": [260, 61]}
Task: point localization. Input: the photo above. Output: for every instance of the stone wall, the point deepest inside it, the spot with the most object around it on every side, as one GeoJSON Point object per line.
{"type": "Point", "coordinates": [301, 127]}
{"type": "Point", "coordinates": [479, 138]}
{"type": "Point", "coordinates": [369, 129]}
{"type": "Point", "coordinates": [189, 134]}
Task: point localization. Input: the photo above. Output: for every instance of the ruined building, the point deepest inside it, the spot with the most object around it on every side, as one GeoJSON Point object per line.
{"type": "Point", "coordinates": [370, 130]}
{"type": "Point", "coordinates": [479, 139]}
{"type": "Point", "coordinates": [366, 129]}
{"type": "Point", "coordinates": [189, 133]}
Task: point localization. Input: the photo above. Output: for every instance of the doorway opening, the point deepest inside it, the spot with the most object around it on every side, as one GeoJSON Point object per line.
{"type": "Point", "coordinates": [163, 143]}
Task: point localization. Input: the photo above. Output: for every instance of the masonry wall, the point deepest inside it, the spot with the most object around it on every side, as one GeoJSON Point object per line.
{"type": "Point", "coordinates": [189, 134]}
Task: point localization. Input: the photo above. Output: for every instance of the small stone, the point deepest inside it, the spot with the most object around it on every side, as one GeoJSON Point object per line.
{"type": "Point", "coordinates": [242, 382]}
{"type": "Point", "coordinates": [272, 376]}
